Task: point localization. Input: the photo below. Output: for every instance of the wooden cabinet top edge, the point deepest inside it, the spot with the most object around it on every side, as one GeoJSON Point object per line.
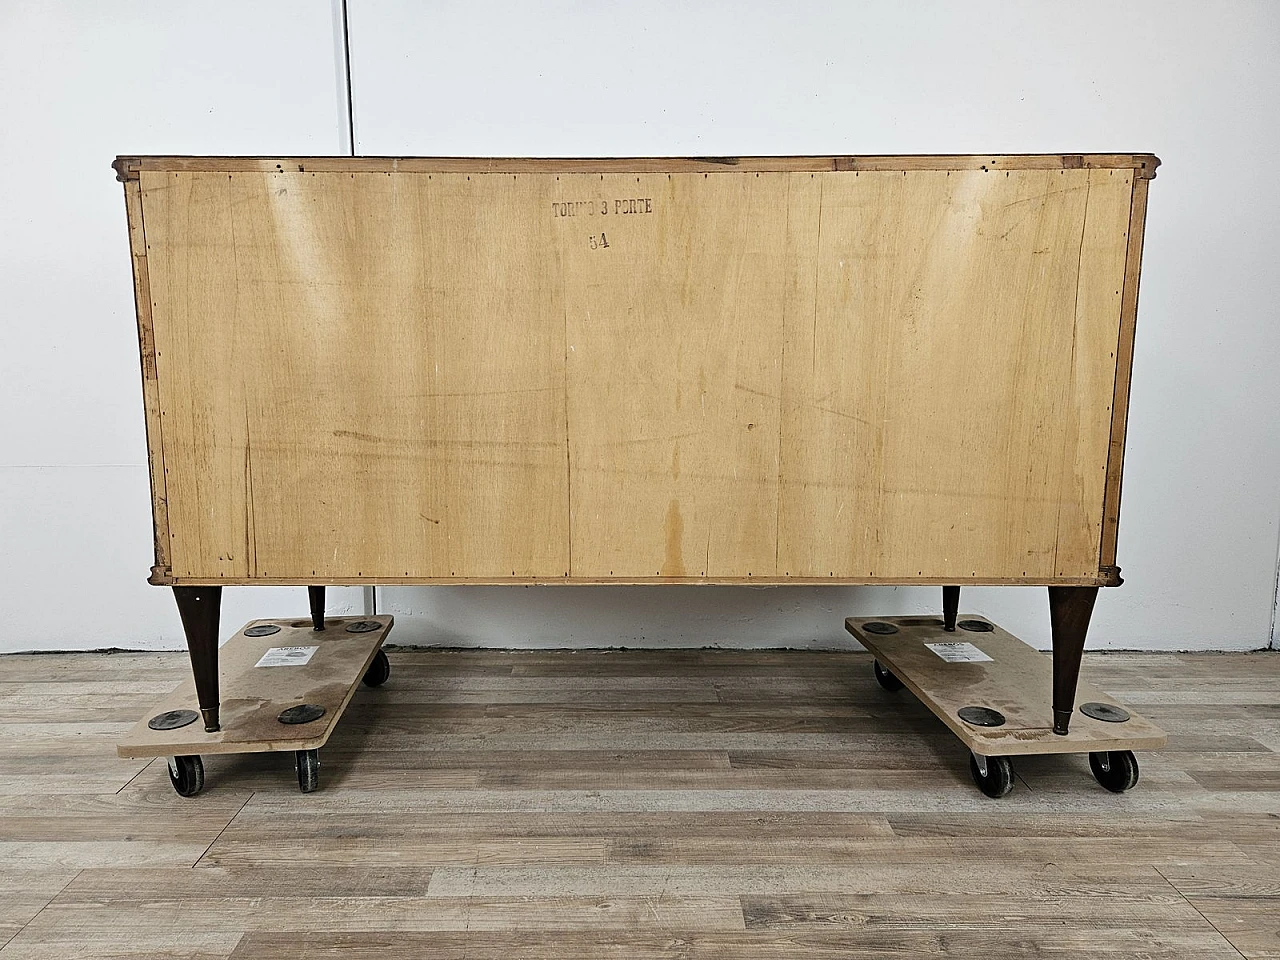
{"type": "Point", "coordinates": [168, 579]}
{"type": "Point", "coordinates": [129, 168]}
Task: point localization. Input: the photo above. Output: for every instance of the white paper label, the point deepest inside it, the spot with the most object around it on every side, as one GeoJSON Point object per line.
{"type": "Point", "coordinates": [287, 657]}
{"type": "Point", "coordinates": [959, 652]}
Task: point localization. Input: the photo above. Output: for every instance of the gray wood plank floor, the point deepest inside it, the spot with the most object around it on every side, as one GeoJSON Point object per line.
{"type": "Point", "coordinates": [691, 804]}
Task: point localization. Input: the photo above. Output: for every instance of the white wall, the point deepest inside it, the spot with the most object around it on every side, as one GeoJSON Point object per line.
{"type": "Point", "coordinates": [1187, 80]}
{"type": "Point", "coordinates": [79, 84]}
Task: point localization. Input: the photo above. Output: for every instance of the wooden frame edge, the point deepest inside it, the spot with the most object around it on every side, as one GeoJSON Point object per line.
{"type": "Point", "coordinates": [763, 581]}
{"type": "Point", "coordinates": [150, 378]}
{"type": "Point", "coordinates": [1143, 163]}
{"type": "Point", "coordinates": [1124, 376]}
{"type": "Point", "coordinates": [126, 168]}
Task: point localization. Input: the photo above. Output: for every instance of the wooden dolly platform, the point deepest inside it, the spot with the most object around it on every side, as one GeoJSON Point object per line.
{"type": "Point", "coordinates": [286, 684]}
{"type": "Point", "coordinates": [990, 689]}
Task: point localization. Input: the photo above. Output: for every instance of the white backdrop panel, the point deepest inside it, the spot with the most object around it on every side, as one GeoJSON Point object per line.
{"type": "Point", "coordinates": [83, 82]}
{"type": "Point", "coordinates": [1190, 81]}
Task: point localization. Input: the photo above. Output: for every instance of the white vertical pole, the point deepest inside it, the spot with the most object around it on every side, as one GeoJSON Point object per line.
{"type": "Point", "coordinates": [347, 145]}
{"type": "Point", "coordinates": [342, 72]}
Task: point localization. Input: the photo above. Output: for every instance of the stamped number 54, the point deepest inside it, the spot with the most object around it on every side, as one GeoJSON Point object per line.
{"type": "Point", "coordinates": [598, 242]}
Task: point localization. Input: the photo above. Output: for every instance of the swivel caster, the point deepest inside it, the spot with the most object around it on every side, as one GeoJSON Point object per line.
{"type": "Point", "coordinates": [379, 671]}
{"type": "Point", "coordinates": [1117, 770]}
{"type": "Point", "coordinates": [187, 775]}
{"type": "Point", "coordinates": [993, 775]}
{"type": "Point", "coordinates": [886, 679]}
{"type": "Point", "coordinates": [308, 764]}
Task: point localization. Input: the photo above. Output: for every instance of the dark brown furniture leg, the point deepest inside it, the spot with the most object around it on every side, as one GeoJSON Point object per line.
{"type": "Point", "coordinates": [950, 607]}
{"type": "Point", "coordinates": [199, 607]}
{"type": "Point", "coordinates": [1069, 612]}
{"type": "Point", "coordinates": [316, 597]}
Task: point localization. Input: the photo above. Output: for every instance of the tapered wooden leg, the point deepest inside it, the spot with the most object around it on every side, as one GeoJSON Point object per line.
{"type": "Point", "coordinates": [1069, 612]}
{"type": "Point", "coordinates": [316, 596]}
{"type": "Point", "coordinates": [199, 608]}
{"type": "Point", "coordinates": [950, 607]}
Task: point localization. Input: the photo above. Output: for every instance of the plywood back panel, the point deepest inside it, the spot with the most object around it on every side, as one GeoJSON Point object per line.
{"type": "Point", "coordinates": [631, 373]}
{"type": "Point", "coordinates": [354, 385]}
{"type": "Point", "coordinates": [948, 402]}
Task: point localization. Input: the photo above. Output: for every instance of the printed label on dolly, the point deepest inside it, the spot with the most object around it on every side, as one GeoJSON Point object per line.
{"type": "Point", "coordinates": [287, 657]}
{"type": "Point", "coordinates": [959, 652]}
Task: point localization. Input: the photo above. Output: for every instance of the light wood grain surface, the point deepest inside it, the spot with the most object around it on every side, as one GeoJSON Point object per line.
{"type": "Point", "coordinates": [721, 804]}
{"type": "Point", "coordinates": [803, 370]}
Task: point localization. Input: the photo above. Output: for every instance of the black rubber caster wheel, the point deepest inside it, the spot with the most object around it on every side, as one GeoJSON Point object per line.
{"type": "Point", "coordinates": [1116, 770]}
{"type": "Point", "coordinates": [308, 764]}
{"type": "Point", "coordinates": [998, 780]}
{"type": "Point", "coordinates": [187, 775]}
{"type": "Point", "coordinates": [379, 671]}
{"type": "Point", "coordinates": [886, 679]}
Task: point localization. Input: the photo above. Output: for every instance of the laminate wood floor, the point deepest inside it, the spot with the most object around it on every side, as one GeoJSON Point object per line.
{"type": "Point", "coordinates": [632, 805]}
